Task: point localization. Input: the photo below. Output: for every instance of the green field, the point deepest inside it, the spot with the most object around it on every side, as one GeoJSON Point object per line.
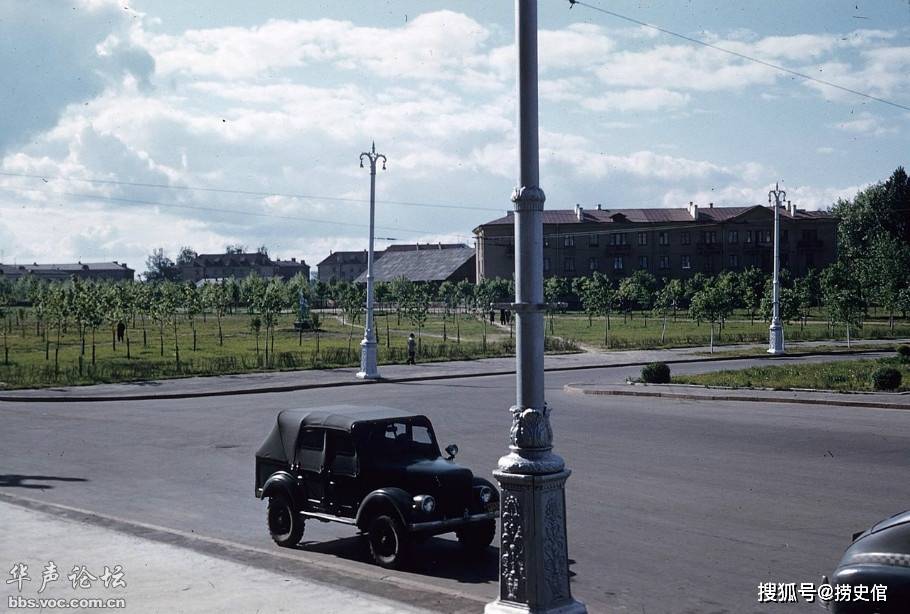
{"type": "Point", "coordinates": [848, 375]}
{"type": "Point", "coordinates": [153, 353]}
{"type": "Point", "coordinates": [644, 332]}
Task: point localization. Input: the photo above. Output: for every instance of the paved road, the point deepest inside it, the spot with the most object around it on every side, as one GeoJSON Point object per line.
{"type": "Point", "coordinates": [674, 506]}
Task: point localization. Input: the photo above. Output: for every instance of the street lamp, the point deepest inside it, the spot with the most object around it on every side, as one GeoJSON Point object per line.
{"type": "Point", "coordinates": [533, 553]}
{"type": "Point", "coordinates": [776, 333]}
{"type": "Point", "coordinates": [368, 368]}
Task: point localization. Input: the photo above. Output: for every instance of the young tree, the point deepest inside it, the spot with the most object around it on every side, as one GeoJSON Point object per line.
{"type": "Point", "coordinates": [843, 296]}
{"type": "Point", "coordinates": [555, 290]}
{"type": "Point", "coordinates": [58, 310]}
{"type": "Point", "coordinates": [667, 299]}
{"type": "Point", "coordinates": [750, 290]}
{"type": "Point", "coordinates": [5, 300]}
{"type": "Point", "coordinates": [417, 308]}
{"type": "Point", "coordinates": [597, 297]}
{"type": "Point", "coordinates": [192, 306]}
{"type": "Point", "coordinates": [710, 304]}
{"type": "Point", "coordinates": [887, 272]}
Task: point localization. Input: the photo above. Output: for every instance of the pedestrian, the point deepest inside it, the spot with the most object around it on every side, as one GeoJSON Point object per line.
{"type": "Point", "coordinates": [121, 329]}
{"type": "Point", "coordinates": [412, 349]}
{"type": "Point", "coordinates": [492, 316]}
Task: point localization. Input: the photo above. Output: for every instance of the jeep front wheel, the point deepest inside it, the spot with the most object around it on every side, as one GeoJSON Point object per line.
{"type": "Point", "coordinates": [285, 525]}
{"type": "Point", "coordinates": [389, 542]}
{"type": "Point", "coordinates": [476, 537]}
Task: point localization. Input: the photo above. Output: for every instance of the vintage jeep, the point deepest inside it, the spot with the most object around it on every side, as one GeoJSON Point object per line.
{"type": "Point", "coordinates": [375, 468]}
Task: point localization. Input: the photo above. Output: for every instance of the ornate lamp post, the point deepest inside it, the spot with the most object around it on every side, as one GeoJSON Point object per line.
{"type": "Point", "coordinates": [534, 565]}
{"type": "Point", "coordinates": [368, 369]}
{"type": "Point", "coordinates": [776, 336]}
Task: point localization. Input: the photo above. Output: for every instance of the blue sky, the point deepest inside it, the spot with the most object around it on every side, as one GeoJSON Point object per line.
{"type": "Point", "coordinates": [280, 98]}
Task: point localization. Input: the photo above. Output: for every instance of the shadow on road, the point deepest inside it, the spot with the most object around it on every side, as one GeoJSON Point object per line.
{"type": "Point", "coordinates": [438, 558]}
{"type": "Point", "coordinates": [14, 480]}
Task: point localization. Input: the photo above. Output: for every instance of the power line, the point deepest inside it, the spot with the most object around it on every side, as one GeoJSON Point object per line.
{"type": "Point", "coordinates": [132, 201]}
{"type": "Point", "coordinates": [740, 55]}
{"type": "Point", "coordinates": [242, 192]}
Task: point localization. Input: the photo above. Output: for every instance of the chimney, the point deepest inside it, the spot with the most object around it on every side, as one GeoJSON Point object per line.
{"type": "Point", "coordinates": [790, 208]}
{"type": "Point", "coordinates": [579, 213]}
{"type": "Point", "coordinates": [710, 205]}
{"type": "Point", "coordinates": [599, 207]}
{"type": "Point", "coordinates": [294, 259]}
{"type": "Point", "coordinates": [693, 210]}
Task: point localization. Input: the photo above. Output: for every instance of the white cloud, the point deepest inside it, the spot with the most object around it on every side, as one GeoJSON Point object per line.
{"type": "Point", "coordinates": [866, 124]}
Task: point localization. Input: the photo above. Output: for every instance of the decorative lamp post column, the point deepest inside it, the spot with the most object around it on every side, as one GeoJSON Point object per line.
{"type": "Point", "coordinates": [368, 368]}
{"type": "Point", "coordinates": [534, 559]}
{"type": "Point", "coordinates": [776, 333]}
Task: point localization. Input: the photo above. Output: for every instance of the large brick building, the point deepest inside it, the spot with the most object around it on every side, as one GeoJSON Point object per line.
{"type": "Point", "coordinates": [672, 243]}
{"type": "Point", "coordinates": [348, 266]}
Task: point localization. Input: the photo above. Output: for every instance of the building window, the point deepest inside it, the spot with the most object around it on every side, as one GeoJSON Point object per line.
{"type": "Point", "coordinates": [748, 236]}
{"type": "Point", "coordinates": [568, 241]}
{"type": "Point", "coordinates": [546, 241]}
{"type": "Point", "coordinates": [568, 265]}
{"type": "Point", "coordinates": [664, 262]}
{"type": "Point", "coordinates": [642, 238]}
{"type": "Point", "coordinates": [712, 236]}
{"type": "Point", "coordinates": [618, 238]}
{"type": "Point", "coordinates": [592, 264]}
{"type": "Point", "coordinates": [686, 262]}
{"type": "Point", "coordinates": [617, 263]}
{"type": "Point", "coordinates": [663, 238]}
{"type": "Point", "coordinates": [733, 236]}
{"type": "Point", "coordinates": [546, 265]}
{"type": "Point", "coordinates": [593, 240]}
{"type": "Point", "coordinates": [686, 238]}
{"type": "Point", "coordinates": [643, 262]}
{"type": "Point", "coordinates": [734, 261]}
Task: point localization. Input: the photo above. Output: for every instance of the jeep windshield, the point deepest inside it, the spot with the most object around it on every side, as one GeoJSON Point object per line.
{"type": "Point", "coordinates": [399, 439]}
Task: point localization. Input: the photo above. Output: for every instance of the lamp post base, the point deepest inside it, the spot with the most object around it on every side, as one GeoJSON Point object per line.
{"type": "Point", "coordinates": [534, 557]}
{"type": "Point", "coordinates": [368, 369]}
{"type": "Point", "coordinates": [776, 339]}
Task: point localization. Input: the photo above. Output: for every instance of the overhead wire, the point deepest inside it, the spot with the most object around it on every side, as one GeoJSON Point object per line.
{"type": "Point", "coordinates": [743, 56]}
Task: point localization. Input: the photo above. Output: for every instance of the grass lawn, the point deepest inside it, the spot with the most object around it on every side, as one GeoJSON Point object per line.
{"type": "Point", "coordinates": [848, 375]}
{"type": "Point", "coordinates": [644, 332]}
{"type": "Point", "coordinates": [153, 352]}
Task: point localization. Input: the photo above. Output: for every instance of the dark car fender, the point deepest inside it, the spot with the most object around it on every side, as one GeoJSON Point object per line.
{"type": "Point", "coordinates": [390, 500]}
{"type": "Point", "coordinates": [283, 483]}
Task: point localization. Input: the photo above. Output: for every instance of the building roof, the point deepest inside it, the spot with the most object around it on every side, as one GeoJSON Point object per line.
{"type": "Point", "coordinates": [231, 260]}
{"type": "Point", "coordinates": [414, 247]}
{"type": "Point", "coordinates": [651, 215]}
{"type": "Point", "coordinates": [423, 265]}
{"type": "Point", "coordinates": [332, 257]}
{"type": "Point", "coordinates": [69, 267]}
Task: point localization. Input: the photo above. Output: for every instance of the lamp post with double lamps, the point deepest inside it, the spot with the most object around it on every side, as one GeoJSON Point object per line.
{"type": "Point", "coordinates": [368, 368]}
{"type": "Point", "coordinates": [776, 331]}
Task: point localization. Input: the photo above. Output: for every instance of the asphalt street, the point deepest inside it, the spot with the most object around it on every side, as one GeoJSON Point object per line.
{"type": "Point", "coordinates": [674, 506]}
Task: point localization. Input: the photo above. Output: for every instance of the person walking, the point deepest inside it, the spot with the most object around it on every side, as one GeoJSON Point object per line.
{"type": "Point", "coordinates": [412, 349]}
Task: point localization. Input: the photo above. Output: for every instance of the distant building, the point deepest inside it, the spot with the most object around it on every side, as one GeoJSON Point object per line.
{"type": "Point", "coordinates": [432, 263]}
{"type": "Point", "coordinates": [672, 243]}
{"type": "Point", "coordinates": [109, 271]}
{"type": "Point", "coordinates": [239, 266]}
{"type": "Point", "coordinates": [348, 266]}
{"type": "Point", "coordinates": [343, 266]}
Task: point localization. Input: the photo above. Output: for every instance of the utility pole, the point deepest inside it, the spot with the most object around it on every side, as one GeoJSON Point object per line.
{"type": "Point", "coordinates": [368, 368]}
{"type": "Point", "coordinates": [776, 336]}
{"type": "Point", "coordinates": [534, 558]}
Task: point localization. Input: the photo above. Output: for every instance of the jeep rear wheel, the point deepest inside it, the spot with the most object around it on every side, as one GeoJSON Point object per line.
{"type": "Point", "coordinates": [285, 525]}
{"type": "Point", "coordinates": [476, 537]}
{"type": "Point", "coordinates": [389, 542]}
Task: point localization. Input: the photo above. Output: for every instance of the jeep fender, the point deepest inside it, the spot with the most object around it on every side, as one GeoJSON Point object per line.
{"type": "Point", "coordinates": [385, 500]}
{"type": "Point", "coordinates": [476, 482]}
{"type": "Point", "coordinates": [282, 483]}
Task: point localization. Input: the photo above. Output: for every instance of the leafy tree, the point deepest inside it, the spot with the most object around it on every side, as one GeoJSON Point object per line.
{"type": "Point", "coordinates": [637, 290]}
{"type": "Point", "coordinates": [668, 299]}
{"type": "Point", "coordinates": [710, 304]}
{"type": "Point", "coordinates": [192, 306]}
{"type": "Point", "coordinates": [751, 290]}
{"type": "Point", "coordinates": [555, 290]}
{"type": "Point", "coordinates": [217, 298]}
{"type": "Point", "coordinates": [417, 308]}
{"type": "Point", "coordinates": [186, 256]}
{"type": "Point", "coordinates": [5, 300]}
{"type": "Point", "coordinates": [876, 210]}
{"type": "Point", "coordinates": [158, 267]}
{"type": "Point", "coordinates": [843, 296]}
{"type": "Point", "coordinates": [887, 272]}
{"type": "Point", "coordinates": [597, 297]}
{"type": "Point", "coordinates": [58, 310]}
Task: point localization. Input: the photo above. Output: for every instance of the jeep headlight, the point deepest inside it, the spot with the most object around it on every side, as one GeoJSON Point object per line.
{"type": "Point", "coordinates": [486, 494]}
{"type": "Point", "coordinates": [425, 503]}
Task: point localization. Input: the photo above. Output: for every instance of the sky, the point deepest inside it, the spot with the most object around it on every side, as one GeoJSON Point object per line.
{"type": "Point", "coordinates": [110, 111]}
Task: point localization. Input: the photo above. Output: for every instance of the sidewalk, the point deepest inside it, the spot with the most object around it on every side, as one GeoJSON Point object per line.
{"type": "Point", "coordinates": [286, 381]}
{"type": "Point", "coordinates": [158, 577]}
{"type": "Point", "coordinates": [883, 400]}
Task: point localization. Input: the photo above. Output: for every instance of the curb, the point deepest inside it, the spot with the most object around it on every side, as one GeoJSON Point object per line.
{"type": "Point", "coordinates": [576, 389]}
{"type": "Point", "coordinates": [399, 380]}
{"type": "Point", "coordinates": [379, 583]}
